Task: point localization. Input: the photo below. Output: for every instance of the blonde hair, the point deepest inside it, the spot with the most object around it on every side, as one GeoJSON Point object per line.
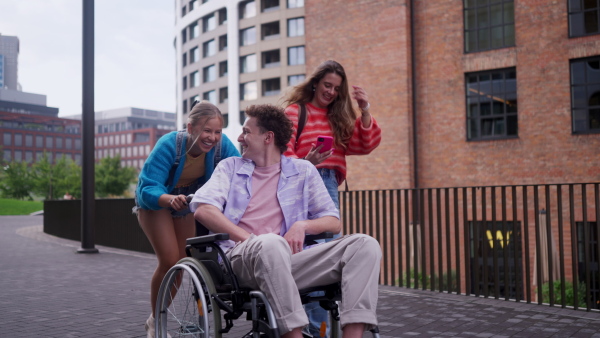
{"type": "Point", "coordinates": [203, 110]}
{"type": "Point", "coordinates": [340, 113]}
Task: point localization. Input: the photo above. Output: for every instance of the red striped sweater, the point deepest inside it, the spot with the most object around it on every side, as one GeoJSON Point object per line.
{"type": "Point", "coordinates": [363, 141]}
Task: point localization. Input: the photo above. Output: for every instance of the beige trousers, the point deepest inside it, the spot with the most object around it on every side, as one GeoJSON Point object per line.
{"type": "Point", "coordinates": [266, 263]}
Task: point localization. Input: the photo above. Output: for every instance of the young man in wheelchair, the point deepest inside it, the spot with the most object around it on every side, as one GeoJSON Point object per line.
{"type": "Point", "coordinates": [267, 203]}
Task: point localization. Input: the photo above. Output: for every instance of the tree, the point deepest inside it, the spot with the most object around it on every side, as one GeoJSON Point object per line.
{"type": "Point", "coordinates": [16, 181]}
{"type": "Point", "coordinates": [111, 178]}
{"type": "Point", "coordinates": [53, 180]}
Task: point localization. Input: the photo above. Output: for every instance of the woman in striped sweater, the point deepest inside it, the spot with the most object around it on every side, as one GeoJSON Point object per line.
{"type": "Point", "coordinates": [329, 112]}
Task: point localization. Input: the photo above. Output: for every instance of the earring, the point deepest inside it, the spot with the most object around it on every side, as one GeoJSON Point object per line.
{"type": "Point", "coordinates": [314, 89]}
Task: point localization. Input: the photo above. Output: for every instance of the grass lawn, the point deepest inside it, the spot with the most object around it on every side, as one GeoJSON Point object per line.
{"type": "Point", "coordinates": [17, 207]}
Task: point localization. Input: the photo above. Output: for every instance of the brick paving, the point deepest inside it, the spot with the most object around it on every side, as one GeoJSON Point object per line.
{"type": "Point", "coordinates": [48, 290]}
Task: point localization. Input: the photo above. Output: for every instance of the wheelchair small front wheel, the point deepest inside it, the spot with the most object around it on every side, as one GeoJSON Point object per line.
{"type": "Point", "coordinates": [182, 308]}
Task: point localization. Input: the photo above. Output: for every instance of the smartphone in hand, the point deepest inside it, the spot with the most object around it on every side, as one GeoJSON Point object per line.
{"type": "Point", "coordinates": [326, 141]}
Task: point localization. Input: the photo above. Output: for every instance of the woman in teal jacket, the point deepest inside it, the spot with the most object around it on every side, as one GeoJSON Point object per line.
{"type": "Point", "coordinates": [180, 163]}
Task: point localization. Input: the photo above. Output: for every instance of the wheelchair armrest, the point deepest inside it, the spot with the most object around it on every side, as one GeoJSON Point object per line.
{"type": "Point", "coordinates": [323, 235]}
{"type": "Point", "coordinates": [207, 239]}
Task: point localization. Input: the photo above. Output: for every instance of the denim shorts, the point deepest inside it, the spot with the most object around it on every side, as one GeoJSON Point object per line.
{"type": "Point", "coordinates": [330, 180]}
{"type": "Point", "coordinates": [187, 190]}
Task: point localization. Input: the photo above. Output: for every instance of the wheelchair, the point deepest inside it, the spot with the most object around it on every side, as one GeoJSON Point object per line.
{"type": "Point", "coordinates": [200, 286]}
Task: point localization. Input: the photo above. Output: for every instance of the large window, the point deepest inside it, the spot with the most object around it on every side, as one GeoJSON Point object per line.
{"type": "Point", "coordinates": [583, 17]}
{"type": "Point", "coordinates": [39, 141]}
{"type": "Point", "coordinates": [492, 104]}
{"type": "Point", "coordinates": [184, 59]}
{"type": "Point", "coordinates": [194, 54]}
{"type": "Point", "coordinates": [184, 82]}
{"type": "Point", "coordinates": [223, 68]}
{"type": "Point", "coordinates": [270, 30]}
{"type": "Point", "coordinates": [194, 30]}
{"type": "Point", "coordinates": [489, 24]}
{"type": "Point", "coordinates": [223, 42]}
{"type": "Point", "coordinates": [194, 79]}
{"type": "Point", "coordinates": [209, 73]}
{"type": "Point", "coordinates": [247, 9]}
{"type": "Point", "coordinates": [28, 140]}
{"type": "Point", "coordinates": [223, 94]}
{"type": "Point", "coordinates": [248, 91]}
{"type": "Point", "coordinates": [585, 95]}
{"type": "Point", "coordinates": [271, 58]}
{"type": "Point", "coordinates": [248, 36]}
{"type": "Point", "coordinates": [248, 63]}
{"type": "Point", "coordinates": [295, 79]}
{"type": "Point", "coordinates": [209, 48]}
{"type": "Point", "coordinates": [270, 5]}
{"type": "Point", "coordinates": [18, 140]}
{"type": "Point", "coordinates": [209, 23]}
{"type": "Point", "coordinates": [271, 87]}
{"type": "Point", "coordinates": [295, 27]}
{"type": "Point", "coordinates": [210, 96]}
{"type": "Point", "coordinates": [7, 139]}
{"type": "Point", "coordinates": [296, 56]}
{"type": "Point", "coordinates": [295, 3]}
{"type": "Point", "coordinates": [222, 16]}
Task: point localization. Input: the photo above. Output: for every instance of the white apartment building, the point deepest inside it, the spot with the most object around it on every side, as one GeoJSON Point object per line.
{"type": "Point", "coordinates": [235, 53]}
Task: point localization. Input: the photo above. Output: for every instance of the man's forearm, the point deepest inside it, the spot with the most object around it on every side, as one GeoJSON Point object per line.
{"type": "Point", "coordinates": [323, 224]}
{"type": "Point", "coordinates": [215, 221]}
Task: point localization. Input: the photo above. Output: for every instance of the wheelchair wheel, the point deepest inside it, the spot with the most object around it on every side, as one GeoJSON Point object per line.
{"type": "Point", "coordinates": [183, 307]}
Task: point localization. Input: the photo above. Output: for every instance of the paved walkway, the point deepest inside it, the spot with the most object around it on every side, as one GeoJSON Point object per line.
{"type": "Point", "coordinates": [48, 290]}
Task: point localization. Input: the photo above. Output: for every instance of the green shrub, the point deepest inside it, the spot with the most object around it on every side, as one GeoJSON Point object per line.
{"type": "Point", "coordinates": [569, 295]}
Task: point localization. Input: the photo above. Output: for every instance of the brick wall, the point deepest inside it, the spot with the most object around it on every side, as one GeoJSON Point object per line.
{"type": "Point", "coordinates": [370, 39]}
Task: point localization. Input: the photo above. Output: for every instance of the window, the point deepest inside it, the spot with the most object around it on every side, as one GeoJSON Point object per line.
{"type": "Point", "coordinates": [489, 24]}
{"type": "Point", "coordinates": [39, 141]}
{"type": "Point", "coordinates": [18, 140]}
{"type": "Point", "coordinates": [184, 59]}
{"type": "Point", "coordinates": [271, 87]}
{"type": "Point", "coordinates": [78, 143]}
{"type": "Point", "coordinates": [248, 36]}
{"type": "Point", "coordinates": [194, 30]}
{"type": "Point", "coordinates": [210, 96]}
{"type": "Point", "coordinates": [194, 79]}
{"type": "Point", "coordinates": [295, 79]}
{"type": "Point", "coordinates": [209, 48]}
{"type": "Point", "coordinates": [295, 3]}
{"type": "Point", "coordinates": [7, 139]}
{"type": "Point", "coordinates": [191, 5]}
{"type": "Point", "coordinates": [59, 142]}
{"type": "Point", "coordinates": [28, 140]}
{"type": "Point", "coordinates": [183, 11]}
{"type": "Point", "coordinates": [28, 156]}
{"type": "Point", "coordinates": [193, 99]}
{"type": "Point", "coordinates": [270, 30]}
{"type": "Point", "coordinates": [248, 91]}
{"type": "Point", "coordinates": [583, 17]}
{"type": "Point", "coordinates": [209, 73]}
{"type": "Point", "coordinates": [222, 42]}
{"type": "Point", "coordinates": [184, 35]}
{"type": "Point", "coordinates": [222, 16]}
{"type": "Point", "coordinates": [49, 142]}
{"type": "Point", "coordinates": [185, 109]}
{"type": "Point", "coordinates": [247, 9]}
{"type": "Point", "coordinates": [194, 54]}
{"type": "Point", "coordinates": [270, 5]}
{"type": "Point", "coordinates": [271, 59]}
{"type": "Point", "coordinates": [295, 27]}
{"type": "Point", "coordinates": [248, 63]}
{"type": "Point", "coordinates": [296, 56]}
{"type": "Point", "coordinates": [585, 95]}
{"type": "Point", "coordinates": [68, 143]}
{"type": "Point", "coordinates": [184, 82]}
{"type": "Point", "coordinates": [209, 23]}
{"type": "Point", "coordinates": [223, 94]}
{"type": "Point", "coordinates": [18, 156]}
{"type": "Point", "coordinates": [7, 155]}
{"type": "Point", "coordinates": [39, 156]}
{"type": "Point", "coordinates": [222, 68]}
{"type": "Point", "coordinates": [492, 104]}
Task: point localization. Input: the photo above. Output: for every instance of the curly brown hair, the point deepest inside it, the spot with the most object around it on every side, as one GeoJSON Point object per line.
{"type": "Point", "coordinates": [272, 118]}
{"type": "Point", "coordinates": [340, 113]}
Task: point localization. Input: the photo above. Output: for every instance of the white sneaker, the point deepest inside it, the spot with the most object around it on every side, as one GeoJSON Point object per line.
{"type": "Point", "coordinates": [149, 326]}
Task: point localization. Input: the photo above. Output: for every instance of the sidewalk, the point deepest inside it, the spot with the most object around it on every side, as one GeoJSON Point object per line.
{"type": "Point", "coordinates": [48, 290]}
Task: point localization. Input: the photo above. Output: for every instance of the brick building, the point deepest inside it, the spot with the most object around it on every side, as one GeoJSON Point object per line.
{"type": "Point", "coordinates": [533, 46]}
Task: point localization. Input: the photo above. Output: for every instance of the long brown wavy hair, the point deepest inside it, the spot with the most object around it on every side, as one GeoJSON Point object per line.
{"type": "Point", "coordinates": [340, 113]}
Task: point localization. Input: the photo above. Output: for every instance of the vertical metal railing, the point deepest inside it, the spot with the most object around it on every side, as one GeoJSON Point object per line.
{"type": "Point", "coordinates": [531, 243]}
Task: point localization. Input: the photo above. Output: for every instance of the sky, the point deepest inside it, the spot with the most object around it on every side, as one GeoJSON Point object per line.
{"type": "Point", "coordinates": [134, 53]}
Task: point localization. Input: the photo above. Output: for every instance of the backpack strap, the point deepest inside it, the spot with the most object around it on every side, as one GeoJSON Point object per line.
{"type": "Point", "coordinates": [301, 121]}
{"type": "Point", "coordinates": [217, 158]}
{"type": "Point", "coordinates": [179, 148]}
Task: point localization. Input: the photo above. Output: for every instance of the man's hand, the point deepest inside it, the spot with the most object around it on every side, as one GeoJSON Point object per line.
{"type": "Point", "coordinates": [295, 236]}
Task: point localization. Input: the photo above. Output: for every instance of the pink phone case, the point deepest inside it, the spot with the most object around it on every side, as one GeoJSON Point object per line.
{"type": "Point", "coordinates": [326, 141]}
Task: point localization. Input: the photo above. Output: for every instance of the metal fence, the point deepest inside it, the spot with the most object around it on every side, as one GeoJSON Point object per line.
{"type": "Point", "coordinates": [530, 243]}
